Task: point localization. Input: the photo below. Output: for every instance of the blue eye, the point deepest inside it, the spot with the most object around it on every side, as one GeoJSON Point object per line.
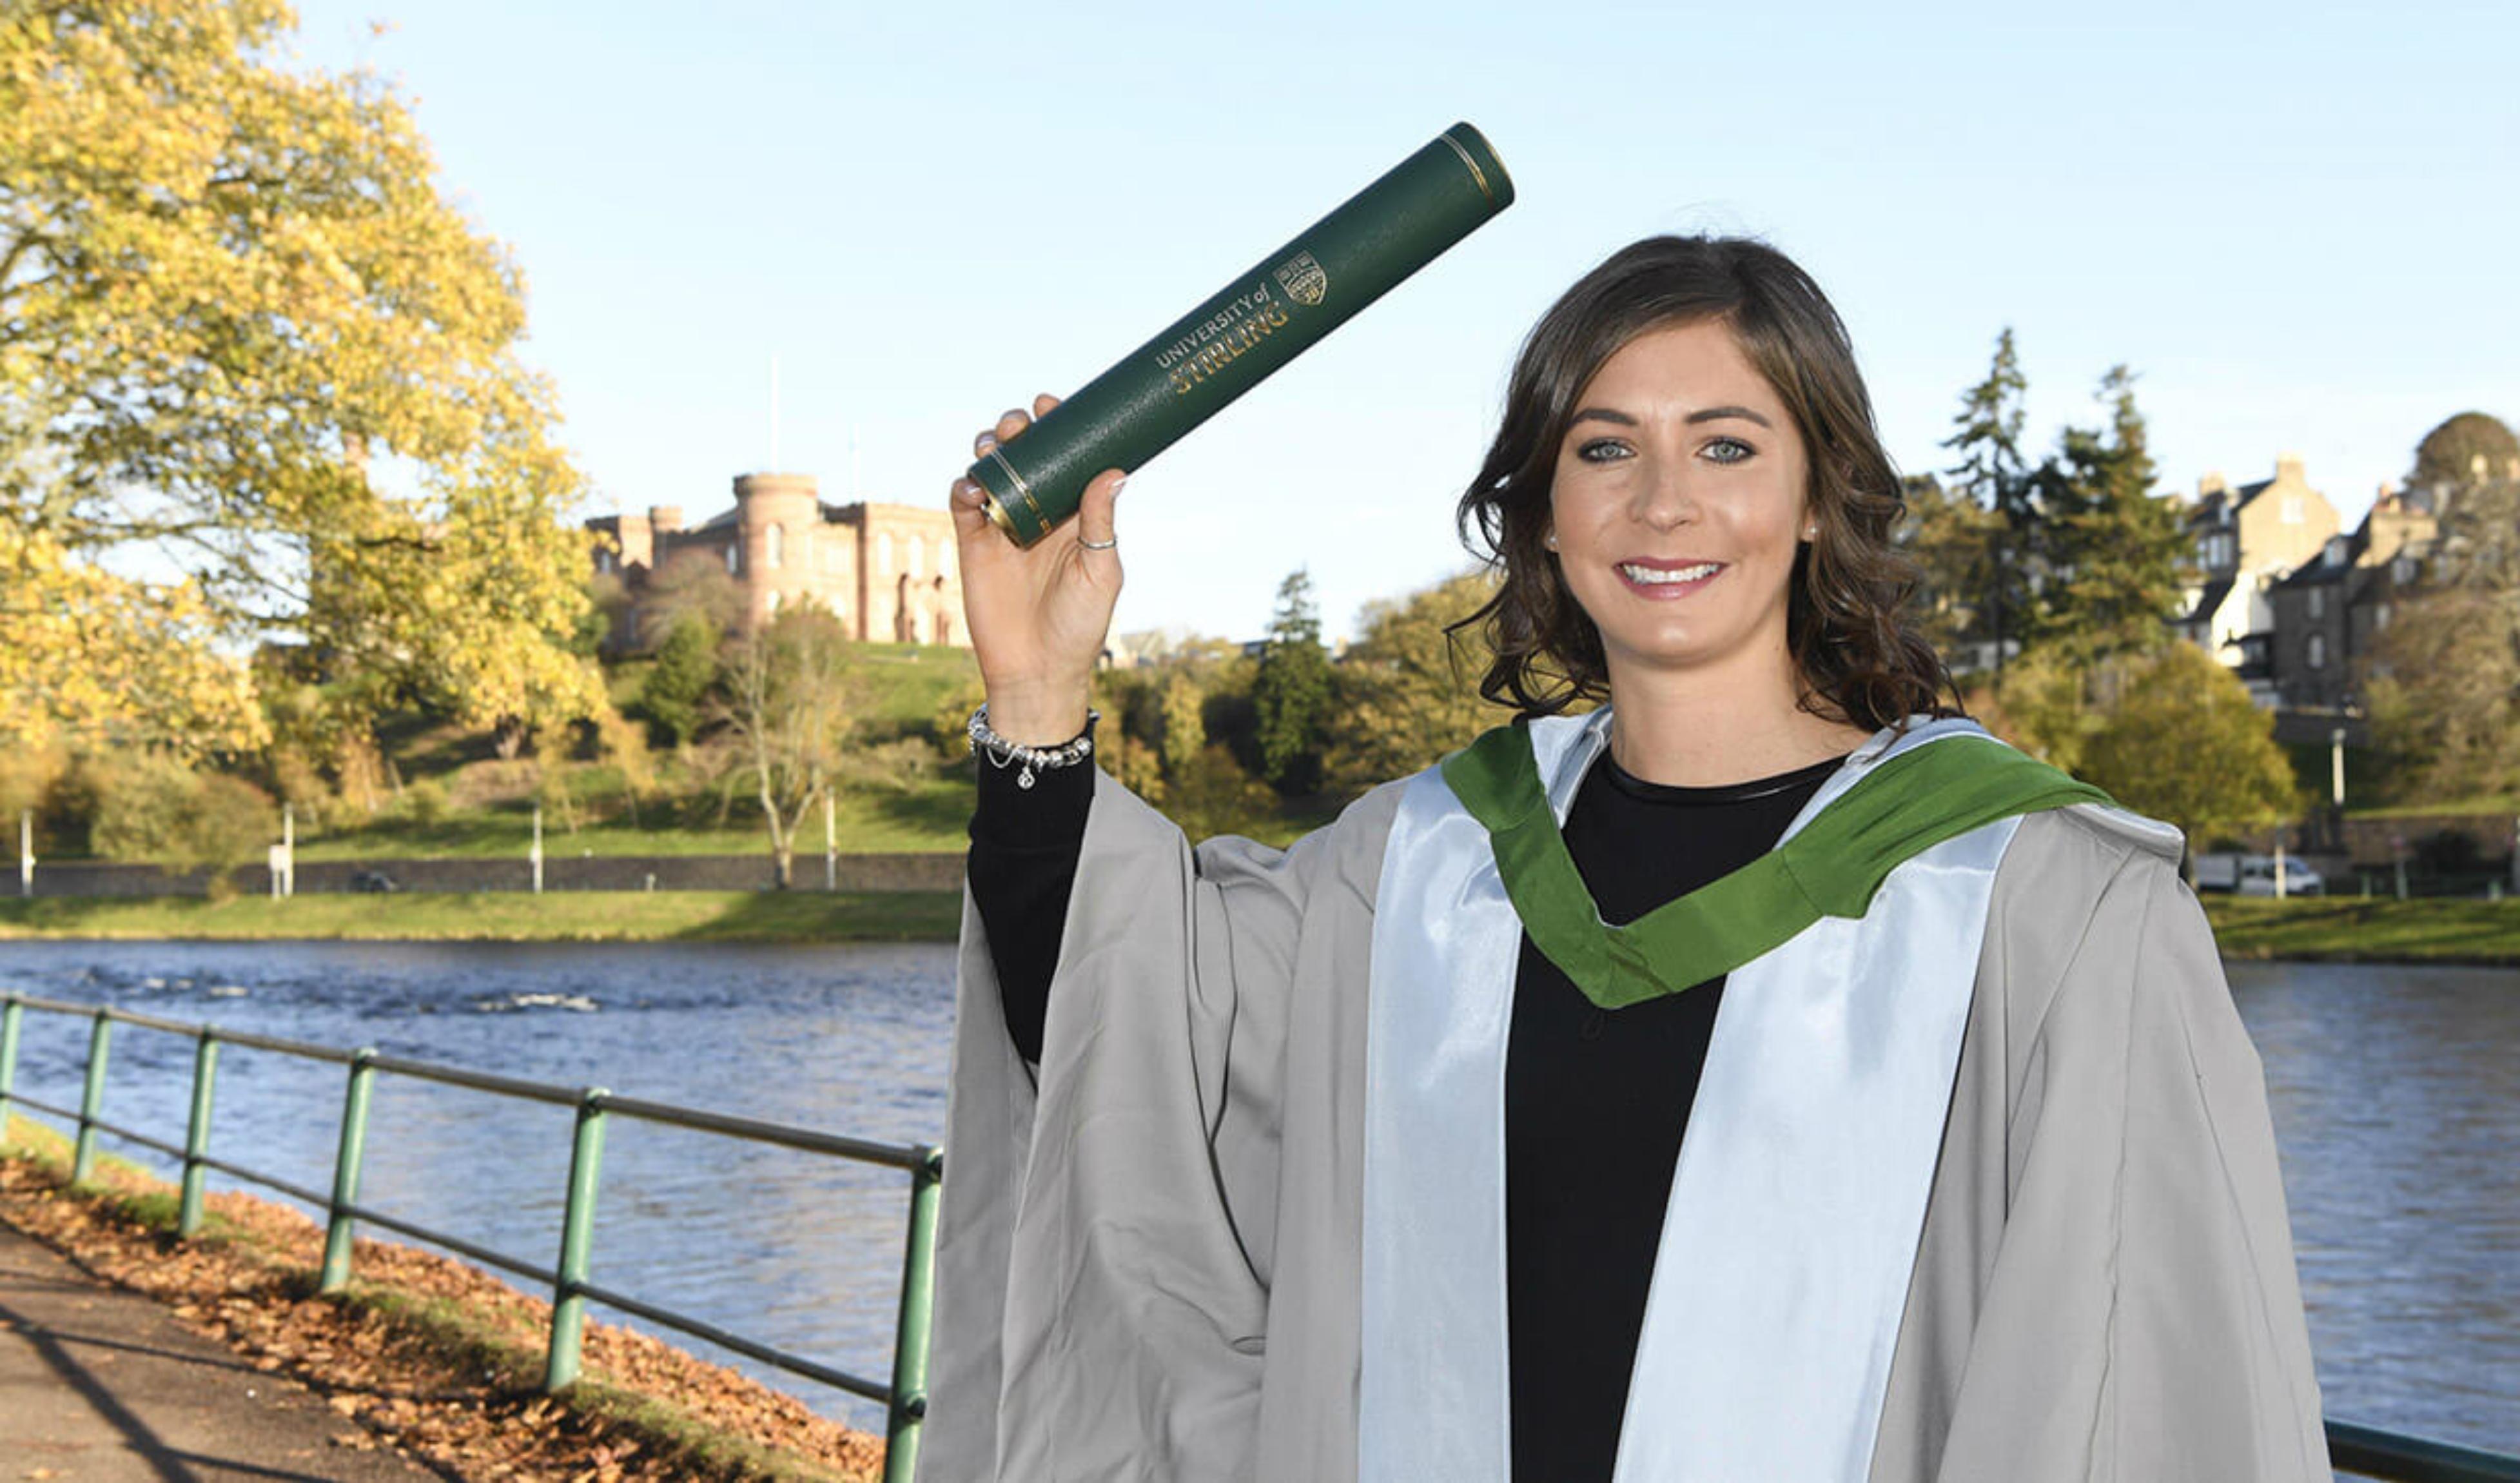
{"type": "Point", "coordinates": [1601, 450]}
{"type": "Point", "coordinates": [1730, 450]}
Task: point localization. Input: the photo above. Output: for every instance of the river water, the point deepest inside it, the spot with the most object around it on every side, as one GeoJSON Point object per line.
{"type": "Point", "coordinates": [2396, 1095]}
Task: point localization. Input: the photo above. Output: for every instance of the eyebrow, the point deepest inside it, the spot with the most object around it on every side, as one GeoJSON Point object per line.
{"type": "Point", "coordinates": [1704, 415]}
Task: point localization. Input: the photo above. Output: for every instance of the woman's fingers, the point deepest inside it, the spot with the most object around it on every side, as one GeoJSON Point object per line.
{"type": "Point", "coordinates": [1096, 529]}
{"type": "Point", "coordinates": [969, 503]}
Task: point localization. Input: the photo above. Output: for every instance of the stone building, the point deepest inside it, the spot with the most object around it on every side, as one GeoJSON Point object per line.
{"type": "Point", "coordinates": [2330, 612]}
{"type": "Point", "coordinates": [887, 571]}
{"type": "Point", "coordinates": [2244, 541]}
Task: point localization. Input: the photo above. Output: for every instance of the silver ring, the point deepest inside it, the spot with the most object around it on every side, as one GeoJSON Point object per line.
{"type": "Point", "coordinates": [1098, 545]}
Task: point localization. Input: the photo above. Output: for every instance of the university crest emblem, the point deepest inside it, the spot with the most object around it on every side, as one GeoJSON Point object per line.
{"type": "Point", "coordinates": [1303, 280]}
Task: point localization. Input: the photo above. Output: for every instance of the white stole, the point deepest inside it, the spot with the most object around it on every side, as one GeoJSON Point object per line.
{"type": "Point", "coordinates": [1797, 1203]}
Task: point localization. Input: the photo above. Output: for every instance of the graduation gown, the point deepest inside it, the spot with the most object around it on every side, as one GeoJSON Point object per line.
{"type": "Point", "coordinates": [1152, 1250]}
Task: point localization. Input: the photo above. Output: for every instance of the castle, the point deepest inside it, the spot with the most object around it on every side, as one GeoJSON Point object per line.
{"type": "Point", "coordinates": [885, 571]}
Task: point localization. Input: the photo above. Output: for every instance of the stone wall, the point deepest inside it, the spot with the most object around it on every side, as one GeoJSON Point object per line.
{"type": "Point", "coordinates": [576, 873]}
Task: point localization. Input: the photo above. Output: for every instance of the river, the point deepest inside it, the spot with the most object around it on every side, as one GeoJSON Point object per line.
{"type": "Point", "coordinates": [2396, 1095]}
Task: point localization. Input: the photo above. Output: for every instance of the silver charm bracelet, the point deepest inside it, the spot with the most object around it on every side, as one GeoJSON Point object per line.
{"type": "Point", "coordinates": [1002, 754]}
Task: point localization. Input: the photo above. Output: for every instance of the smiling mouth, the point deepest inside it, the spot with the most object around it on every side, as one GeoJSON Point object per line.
{"type": "Point", "coordinates": [1641, 576]}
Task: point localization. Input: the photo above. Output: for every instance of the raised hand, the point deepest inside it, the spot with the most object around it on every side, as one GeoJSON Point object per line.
{"type": "Point", "coordinates": [1037, 616]}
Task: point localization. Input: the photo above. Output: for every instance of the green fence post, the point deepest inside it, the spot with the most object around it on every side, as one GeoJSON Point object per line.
{"type": "Point", "coordinates": [910, 1336]}
{"type": "Point", "coordinates": [197, 1133]}
{"type": "Point", "coordinates": [576, 1243]}
{"type": "Point", "coordinates": [9, 1013]}
{"type": "Point", "coordinates": [91, 1100]}
{"type": "Point", "coordinates": [345, 1172]}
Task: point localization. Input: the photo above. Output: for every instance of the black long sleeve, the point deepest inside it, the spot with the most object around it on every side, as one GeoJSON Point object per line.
{"type": "Point", "coordinates": [1023, 866]}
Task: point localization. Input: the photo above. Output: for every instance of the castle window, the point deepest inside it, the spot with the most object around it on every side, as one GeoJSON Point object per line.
{"type": "Point", "coordinates": [2380, 617]}
{"type": "Point", "coordinates": [2292, 509]}
{"type": "Point", "coordinates": [772, 607]}
{"type": "Point", "coordinates": [774, 547]}
{"type": "Point", "coordinates": [883, 552]}
{"type": "Point", "coordinates": [2316, 652]}
{"type": "Point", "coordinates": [603, 560]}
{"type": "Point", "coordinates": [2317, 603]}
{"type": "Point", "coordinates": [734, 560]}
{"type": "Point", "coordinates": [916, 554]}
{"type": "Point", "coordinates": [2402, 571]}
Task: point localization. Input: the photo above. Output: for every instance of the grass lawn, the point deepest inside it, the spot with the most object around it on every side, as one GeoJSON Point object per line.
{"type": "Point", "coordinates": [505, 916]}
{"type": "Point", "coordinates": [2355, 929]}
{"type": "Point", "coordinates": [929, 816]}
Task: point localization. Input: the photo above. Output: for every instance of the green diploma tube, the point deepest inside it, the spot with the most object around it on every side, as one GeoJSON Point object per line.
{"type": "Point", "coordinates": [1248, 328]}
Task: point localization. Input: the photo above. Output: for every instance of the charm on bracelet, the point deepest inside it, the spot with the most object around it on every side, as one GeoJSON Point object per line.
{"type": "Point", "coordinates": [1002, 754]}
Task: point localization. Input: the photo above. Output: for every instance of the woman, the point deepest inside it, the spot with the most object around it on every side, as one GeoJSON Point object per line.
{"type": "Point", "coordinates": [1763, 1076]}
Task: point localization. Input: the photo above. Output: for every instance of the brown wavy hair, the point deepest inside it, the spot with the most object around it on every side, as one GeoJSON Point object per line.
{"type": "Point", "coordinates": [1854, 650]}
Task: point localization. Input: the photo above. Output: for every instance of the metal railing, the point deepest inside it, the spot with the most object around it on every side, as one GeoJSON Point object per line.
{"type": "Point", "coordinates": [2364, 1450]}
{"type": "Point", "coordinates": [904, 1397]}
{"type": "Point", "coordinates": [2387, 1454]}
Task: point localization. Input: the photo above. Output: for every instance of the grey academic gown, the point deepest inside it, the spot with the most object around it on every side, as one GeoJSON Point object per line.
{"type": "Point", "coordinates": [1150, 1255]}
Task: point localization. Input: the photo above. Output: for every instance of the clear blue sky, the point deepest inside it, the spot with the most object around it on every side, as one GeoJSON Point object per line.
{"type": "Point", "coordinates": [2296, 222]}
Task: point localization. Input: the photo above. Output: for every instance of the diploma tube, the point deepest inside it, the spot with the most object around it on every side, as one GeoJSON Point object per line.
{"type": "Point", "coordinates": [1248, 328]}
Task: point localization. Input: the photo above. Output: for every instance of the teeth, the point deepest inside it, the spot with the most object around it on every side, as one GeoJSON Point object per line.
{"type": "Point", "coordinates": [1657, 576]}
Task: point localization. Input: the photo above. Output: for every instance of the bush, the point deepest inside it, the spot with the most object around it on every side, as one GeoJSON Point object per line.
{"type": "Point", "coordinates": [425, 802]}
{"type": "Point", "coordinates": [153, 808]}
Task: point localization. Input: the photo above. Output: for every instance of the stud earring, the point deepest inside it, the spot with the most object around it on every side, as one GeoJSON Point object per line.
{"type": "Point", "coordinates": [1550, 540]}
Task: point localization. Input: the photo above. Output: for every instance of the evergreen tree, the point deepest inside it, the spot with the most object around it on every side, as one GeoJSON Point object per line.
{"type": "Point", "coordinates": [2114, 549]}
{"type": "Point", "coordinates": [685, 669]}
{"type": "Point", "coordinates": [1292, 691]}
{"type": "Point", "coordinates": [1992, 474]}
{"type": "Point", "coordinates": [1952, 539]}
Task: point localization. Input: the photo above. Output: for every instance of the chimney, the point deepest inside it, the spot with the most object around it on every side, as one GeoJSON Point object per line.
{"type": "Point", "coordinates": [665, 519]}
{"type": "Point", "coordinates": [2212, 485]}
{"type": "Point", "coordinates": [2288, 469]}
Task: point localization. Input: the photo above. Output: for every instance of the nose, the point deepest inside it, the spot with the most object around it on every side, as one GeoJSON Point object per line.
{"type": "Point", "coordinates": [1666, 498]}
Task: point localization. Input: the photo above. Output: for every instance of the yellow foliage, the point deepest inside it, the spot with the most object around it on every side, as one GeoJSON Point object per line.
{"type": "Point", "coordinates": [227, 288]}
{"type": "Point", "coordinates": [91, 656]}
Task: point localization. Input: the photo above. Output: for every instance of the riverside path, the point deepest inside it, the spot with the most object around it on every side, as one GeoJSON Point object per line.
{"type": "Point", "coordinates": [101, 1386]}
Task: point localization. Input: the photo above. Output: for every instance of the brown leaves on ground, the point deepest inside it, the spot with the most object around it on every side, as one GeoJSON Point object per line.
{"type": "Point", "coordinates": [434, 1359]}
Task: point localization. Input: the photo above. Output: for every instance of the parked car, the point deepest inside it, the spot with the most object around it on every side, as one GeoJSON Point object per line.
{"type": "Point", "coordinates": [373, 883]}
{"type": "Point", "coordinates": [2255, 875]}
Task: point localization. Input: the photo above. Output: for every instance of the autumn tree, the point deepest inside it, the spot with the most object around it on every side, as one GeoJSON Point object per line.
{"type": "Point", "coordinates": [1292, 690]}
{"type": "Point", "coordinates": [785, 701]}
{"type": "Point", "coordinates": [247, 348]}
{"type": "Point", "coordinates": [692, 583]}
{"type": "Point", "coordinates": [2445, 686]}
{"type": "Point", "coordinates": [2186, 744]}
{"type": "Point", "coordinates": [1409, 687]}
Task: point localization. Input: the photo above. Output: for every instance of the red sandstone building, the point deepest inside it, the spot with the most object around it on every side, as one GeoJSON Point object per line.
{"type": "Point", "coordinates": [885, 571]}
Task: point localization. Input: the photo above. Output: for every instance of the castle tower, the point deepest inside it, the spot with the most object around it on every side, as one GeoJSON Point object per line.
{"type": "Point", "coordinates": [779, 518]}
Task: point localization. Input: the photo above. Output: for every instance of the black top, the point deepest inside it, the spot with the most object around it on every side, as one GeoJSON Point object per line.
{"type": "Point", "coordinates": [1595, 1099]}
